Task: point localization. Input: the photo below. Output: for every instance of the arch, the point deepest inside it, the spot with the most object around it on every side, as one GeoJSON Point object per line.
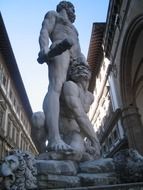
{"type": "Point", "coordinates": [131, 62]}
{"type": "Point", "coordinates": [128, 47]}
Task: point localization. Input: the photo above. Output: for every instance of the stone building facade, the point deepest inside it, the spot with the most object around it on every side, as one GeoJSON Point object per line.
{"type": "Point", "coordinates": [122, 124]}
{"type": "Point", "coordinates": [15, 109]}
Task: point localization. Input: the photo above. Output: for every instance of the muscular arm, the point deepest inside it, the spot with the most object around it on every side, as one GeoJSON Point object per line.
{"type": "Point", "coordinates": [46, 30]}
{"type": "Point", "coordinates": [72, 98]}
{"type": "Point", "coordinates": [89, 98]}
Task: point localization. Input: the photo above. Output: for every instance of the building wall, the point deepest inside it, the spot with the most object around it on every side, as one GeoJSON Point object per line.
{"type": "Point", "coordinates": [14, 123]}
{"type": "Point", "coordinates": [117, 111]}
{"type": "Point", "coordinates": [104, 114]}
{"type": "Point", "coordinates": [126, 58]}
{"type": "Point", "coordinates": [123, 82]}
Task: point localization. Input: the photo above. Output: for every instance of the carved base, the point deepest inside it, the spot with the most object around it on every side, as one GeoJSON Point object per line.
{"type": "Point", "coordinates": [21, 171]}
{"type": "Point", "coordinates": [67, 174]}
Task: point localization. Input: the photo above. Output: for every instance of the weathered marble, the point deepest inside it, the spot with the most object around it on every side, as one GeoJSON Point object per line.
{"type": "Point", "coordinates": [96, 179]}
{"type": "Point", "coordinates": [74, 124]}
{"type": "Point", "coordinates": [21, 171]}
{"type": "Point", "coordinates": [130, 186]}
{"type": "Point", "coordinates": [58, 181]}
{"type": "Point", "coordinates": [62, 167]}
{"type": "Point", "coordinates": [98, 166]}
{"type": "Point", "coordinates": [129, 166]}
{"type": "Point", "coordinates": [58, 27]}
{"type": "Point", "coordinates": [68, 99]}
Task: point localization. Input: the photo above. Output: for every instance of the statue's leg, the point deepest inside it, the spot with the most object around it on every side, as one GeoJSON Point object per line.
{"type": "Point", "coordinates": [71, 132]}
{"type": "Point", "coordinates": [77, 142]}
{"type": "Point", "coordinates": [57, 75]}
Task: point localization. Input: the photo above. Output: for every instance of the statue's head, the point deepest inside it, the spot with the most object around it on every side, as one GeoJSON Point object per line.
{"type": "Point", "coordinates": [79, 72]}
{"type": "Point", "coordinates": [68, 6]}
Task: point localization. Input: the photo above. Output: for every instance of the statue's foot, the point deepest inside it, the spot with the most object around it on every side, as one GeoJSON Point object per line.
{"type": "Point", "coordinates": [59, 146]}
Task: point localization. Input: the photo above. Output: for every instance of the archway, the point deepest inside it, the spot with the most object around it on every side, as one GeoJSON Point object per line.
{"type": "Point", "coordinates": [131, 78]}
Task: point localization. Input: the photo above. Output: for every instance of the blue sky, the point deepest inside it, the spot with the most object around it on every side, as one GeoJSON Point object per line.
{"type": "Point", "coordinates": [23, 19]}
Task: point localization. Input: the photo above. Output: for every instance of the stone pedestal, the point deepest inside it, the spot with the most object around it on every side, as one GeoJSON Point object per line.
{"type": "Point", "coordinates": [66, 173]}
{"type": "Point", "coordinates": [130, 186]}
{"type": "Point", "coordinates": [21, 171]}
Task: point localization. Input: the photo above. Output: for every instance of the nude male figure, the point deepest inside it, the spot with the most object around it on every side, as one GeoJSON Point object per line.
{"type": "Point", "coordinates": [75, 103]}
{"type": "Point", "coordinates": [57, 26]}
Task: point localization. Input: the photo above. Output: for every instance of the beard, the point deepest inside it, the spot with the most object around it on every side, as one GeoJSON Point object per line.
{"type": "Point", "coordinates": [71, 16]}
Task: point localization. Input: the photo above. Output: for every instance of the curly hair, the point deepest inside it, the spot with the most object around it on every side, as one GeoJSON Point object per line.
{"type": "Point", "coordinates": [79, 70]}
{"type": "Point", "coordinates": [64, 5]}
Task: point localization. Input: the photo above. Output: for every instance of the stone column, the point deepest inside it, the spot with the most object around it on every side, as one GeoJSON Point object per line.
{"type": "Point", "coordinates": [134, 128]}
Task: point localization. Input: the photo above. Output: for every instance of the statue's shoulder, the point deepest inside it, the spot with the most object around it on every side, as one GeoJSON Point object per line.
{"type": "Point", "coordinates": [50, 14]}
{"type": "Point", "coordinates": [70, 88]}
{"type": "Point", "coordinates": [89, 97]}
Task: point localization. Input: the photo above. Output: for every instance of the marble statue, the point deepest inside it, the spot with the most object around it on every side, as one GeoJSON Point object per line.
{"type": "Point", "coordinates": [75, 102]}
{"type": "Point", "coordinates": [74, 124]}
{"type": "Point", "coordinates": [65, 49]}
{"type": "Point", "coordinates": [72, 158]}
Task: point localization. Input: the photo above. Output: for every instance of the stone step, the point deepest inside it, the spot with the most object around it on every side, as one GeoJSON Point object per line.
{"type": "Point", "coordinates": [129, 186]}
{"type": "Point", "coordinates": [82, 179]}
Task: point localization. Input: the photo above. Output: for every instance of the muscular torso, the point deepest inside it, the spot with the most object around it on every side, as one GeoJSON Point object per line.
{"type": "Point", "coordinates": [64, 29]}
{"type": "Point", "coordinates": [75, 94]}
{"type": "Point", "coordinates": [86, 99]}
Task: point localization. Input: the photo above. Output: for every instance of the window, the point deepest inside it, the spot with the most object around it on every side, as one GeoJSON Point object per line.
{"type": "Point", "coordinates": [115, 135]}
{"type": "Point", "coordinates": [104, 149]}
{"type": "Point", "coordinates": [1, 118]}
{"type": "Point", "coordinates": [17, 138]}
{"type": "Point", "coordinates": [13, 133]}
{"type": "Point", "coordinates": [21, 145]}
{"type": "Point", "coordinates": [1, 149]}
{"type": "Point", "coordinates": [8, 127]}
{"type": "Point", "coordinates": [4, 80]}
{"type": "Point", "coordinates": [10, 94]}
{"type": "Point", "coordinates": [18, 109]}
{"type": "Point", "coordinates": [14, 102]}
{"type": "Point", "coordinates": [110, 141]}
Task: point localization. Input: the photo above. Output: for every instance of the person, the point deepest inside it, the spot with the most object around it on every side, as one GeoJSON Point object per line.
{"type": "Point", "coordinates": [58, 27]}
